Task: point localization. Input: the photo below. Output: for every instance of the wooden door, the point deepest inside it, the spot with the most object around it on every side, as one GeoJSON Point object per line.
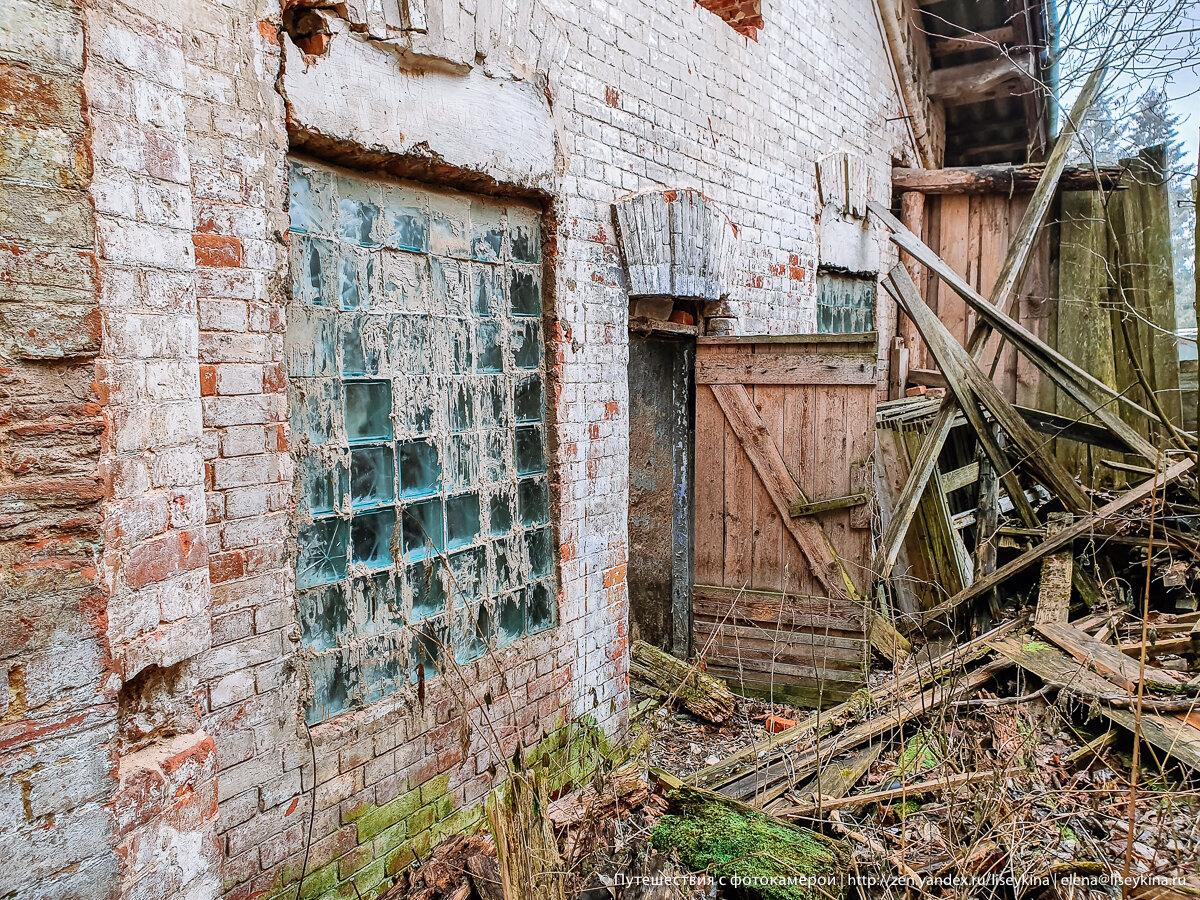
{"type": "Point", "coordinates": [782, 422]}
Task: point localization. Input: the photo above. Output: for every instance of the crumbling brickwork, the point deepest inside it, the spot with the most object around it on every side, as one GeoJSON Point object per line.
{"type": "Point", "coordinates": [153, 733]}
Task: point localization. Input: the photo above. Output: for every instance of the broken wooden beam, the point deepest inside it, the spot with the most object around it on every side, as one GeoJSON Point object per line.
{"type": "Point", "coordinates": [929, 786]}
{"type": "Point", "coordinates": [1107, 661]}
{"type": "Point", "coordinates": [677, 681]}
{"type": "Point", "coordinates": [958, 180]}
{"type": "Point", "coordinates": [979, 40]}
{"type": "Point", "coordinates": [969, 83]}
{"type": "Point", "coordinates": [1064, 538]}
{"type": "Point", "coordinates": [1054, 589]}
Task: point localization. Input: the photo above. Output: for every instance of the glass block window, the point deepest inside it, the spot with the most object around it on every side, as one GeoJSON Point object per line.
{"type": "Point", "coordinates": [418, 409]}
{"type": "Point", "coordinates": [845, 303]}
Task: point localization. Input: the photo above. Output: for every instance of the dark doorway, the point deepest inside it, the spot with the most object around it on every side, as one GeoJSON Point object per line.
{"type": "Point", "coordinates": [661, 435]}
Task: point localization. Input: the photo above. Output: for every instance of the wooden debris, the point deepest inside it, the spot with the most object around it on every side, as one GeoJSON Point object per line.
{"type": "Point", "coordinates": [1176, 738]}
{"type": "Point", "coordinates": [1106, 660]}
{"type": "Point", "coordinates": [1058, 569]}
{"type": "Point", "coordinates": [839, 778]}
{"type": "Point", "coordinates": [678, 682]}
{"type": "Point", "coordinates": [919, 789]}
{"type": "Point", "coordinates": [526, 851]}
{"type": "Point", "coordinates": [1057, 541]}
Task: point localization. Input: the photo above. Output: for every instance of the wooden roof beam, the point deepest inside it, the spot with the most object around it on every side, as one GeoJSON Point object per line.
{"type": "Point", "coordinates": [1000, 179]}
{"type": "Point", "coordinates": [983, 40]}
{"type": "Point", "coordinates": [987, 80]}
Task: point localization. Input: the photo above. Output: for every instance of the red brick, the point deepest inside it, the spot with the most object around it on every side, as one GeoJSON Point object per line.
{"type": "Point", "coordinates": [217, 250]}
{"type": "Point", "coordinates": [158, 559]}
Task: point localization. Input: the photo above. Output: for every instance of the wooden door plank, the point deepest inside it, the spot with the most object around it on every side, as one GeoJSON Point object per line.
{"type": "Point", "coordinates": [709, 488]}
{"type": "Point", "coordinates": [788, 368]}
{"type": "Point", "coordinates": [767, 564]}
{"type": "Point", "coordinates": [748, 428]}
{"type": "Point", "coordinates": [739, 507]}
{"type": "Point", "coordinates": [956, 227]}
{"type": "Point", "coordinates": [798, 441]}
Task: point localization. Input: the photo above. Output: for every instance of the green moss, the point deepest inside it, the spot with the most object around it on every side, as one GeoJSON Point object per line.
{"type": "Point", "coordinates": [920, 753]}
{"type": "Point", "coordinates": [753, 852]}
{"type": "Point", "coordinates": [1034, 647]}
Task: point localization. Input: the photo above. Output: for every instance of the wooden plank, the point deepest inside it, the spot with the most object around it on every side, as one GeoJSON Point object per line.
{"type": "Point", "coordinates": [960, 477]}
{"type": "Point", "coordinates": [956, 251]}
{"type": "Point", "coordinates": [981, 40]}
{"type": "Point", "coordinates": [739, 506]}
{"type": "Point", "coordinates": [1064, 538]}
{"type": "Point", "coordinates": [709, 488]}
{"type": "Point", "coordinates": [761, 368]}
{"type": "Point", "coordinates": [999, 180]}
{"type": "Point", "coordinates": [816, 507]}
{"type": "Point", "coordinates": [867, 338]}
{"type": "Point", "coordinates": [796, 450]}
{"type": "Point", "coordinates": [1107, 661]}
{"type": "Point", "coordinates": [936, 785]}
{"type": "Point", "coordinates": [835, 781]}
{"type": "Point", "coordinates": [1175, 738]}
{"type": "Point", "coordinates": [1054, 589]}
{"type": "Point", "coordinates": [767, 567]}
{"type": "Point", "coordinates": [748, 429]}
{"type": "Point", "coordinates": [765, 606]}
{"type": "Point", "coordinates": [1005, 76]}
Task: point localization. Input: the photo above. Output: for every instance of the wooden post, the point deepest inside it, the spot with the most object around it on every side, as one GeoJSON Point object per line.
{"type": "Point", "coordinates": [912, 214]}
{"type": "Point", "coordinates": [898, 361]}
{"type": "Point", "coordinates": [987, 520]}
{"type": "Point", "coordinates": [1196, 296]}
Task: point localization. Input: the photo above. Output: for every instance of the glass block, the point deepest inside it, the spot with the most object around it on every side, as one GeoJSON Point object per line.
{"type": "Point", "coordinates": [449, 282]}
{"type": "Point", "coordinates": [533, 501]}
{"type": "Point", "coordinates": [461, 406]}
{"type": "Point", "coordinates": [428, 640]}
{"type": "Point", "coordinates": [540, 550]}
{"type": "Point", "coordinates": [468, 575]}
{"type": "Point", "coordinates": [510, 619]}
{"type": "Point", "coordinates": [541, 610]}
{"type": "Point", "coordinates": [373, 603]}
{"type": "Point", "coordinates": [493, 403]}
{"type": "Point", "coordinates": [524, 298]}
{"type": "Point", "coordinates": [486, 289]}
{"type": "Point", "coordinates": [531, 457]}
{"type": "Point", "coordinates": [462, 470]}
{"type": "Point", "coordinates": [322, 485]}
{"type": "Point", "coordinates": [354, 361]}
{"type": "Point", "coordinates": [428, 592]}
{"type": "Point", "coordinates": [489, 356]}
{"type": "Point", "coordinates": [322, 552]}
{"type": "Point", "coordinates": [500, 514]}
{"type": "Point", "coordinates": [526, 243]}
{"type": "Point", "coordinates": [384, 665]}
{"type": "Point", "coordinates": [462, 520]}
{"type": "Point", "coordinates": [528, 402]}
{"type": "Point", "coordinates": [365, 339]}
{"type": "Point", "coordinates": [416, 346]}
{"type": "Point", "coordinates": [506, 554]}
{"type": "Point", "coordinates": [422, 405]}
{"type": "Point", "coordinates": [314, 404]}
{"type": "Point", "coordinates": [334, 683]}
{"type": "Point", "coordinates": [372, 476]}
{"type": "Point", "coordinates": [311, 342]}
{"type": "Point", "coordinates": [423, 528]}
{"type": "Point", "coordinates": [467, 638]}
{"type": "Point", "coordinates": [527, 344]}
{"type": "Point", "coordinates": [371, 537]}
{"type": "Point", "coordinates": [462, 359]}
{"type": "Point", "coordinates": [312, 281]}
{"type": "Point", "coordinates": [368, 411]}
{"type": "Point", "coordinates": [487, 239]}
{"type": "Point", "coordinates": [496, 454]}
{"type": "Point", "coordinates": [420, 469]}
{"type": "Point", "coordinates": [356, 221]}
{"type": "Point", "coordinates": [448, 227]}
{"type": "Point", "coordinates": [403, 280]}
{"type": "Point", "coordinates": [409, 228]}
{"type": "Point", "coordinates": [323, 616]}
{"type": "Point", "coordinates": [309, 200]}
{"type": "Point", "coordinates": [348, 293]}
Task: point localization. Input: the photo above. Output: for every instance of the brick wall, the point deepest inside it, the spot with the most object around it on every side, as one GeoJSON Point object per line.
{"type": "Point", "coordinates": [145, 379]}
